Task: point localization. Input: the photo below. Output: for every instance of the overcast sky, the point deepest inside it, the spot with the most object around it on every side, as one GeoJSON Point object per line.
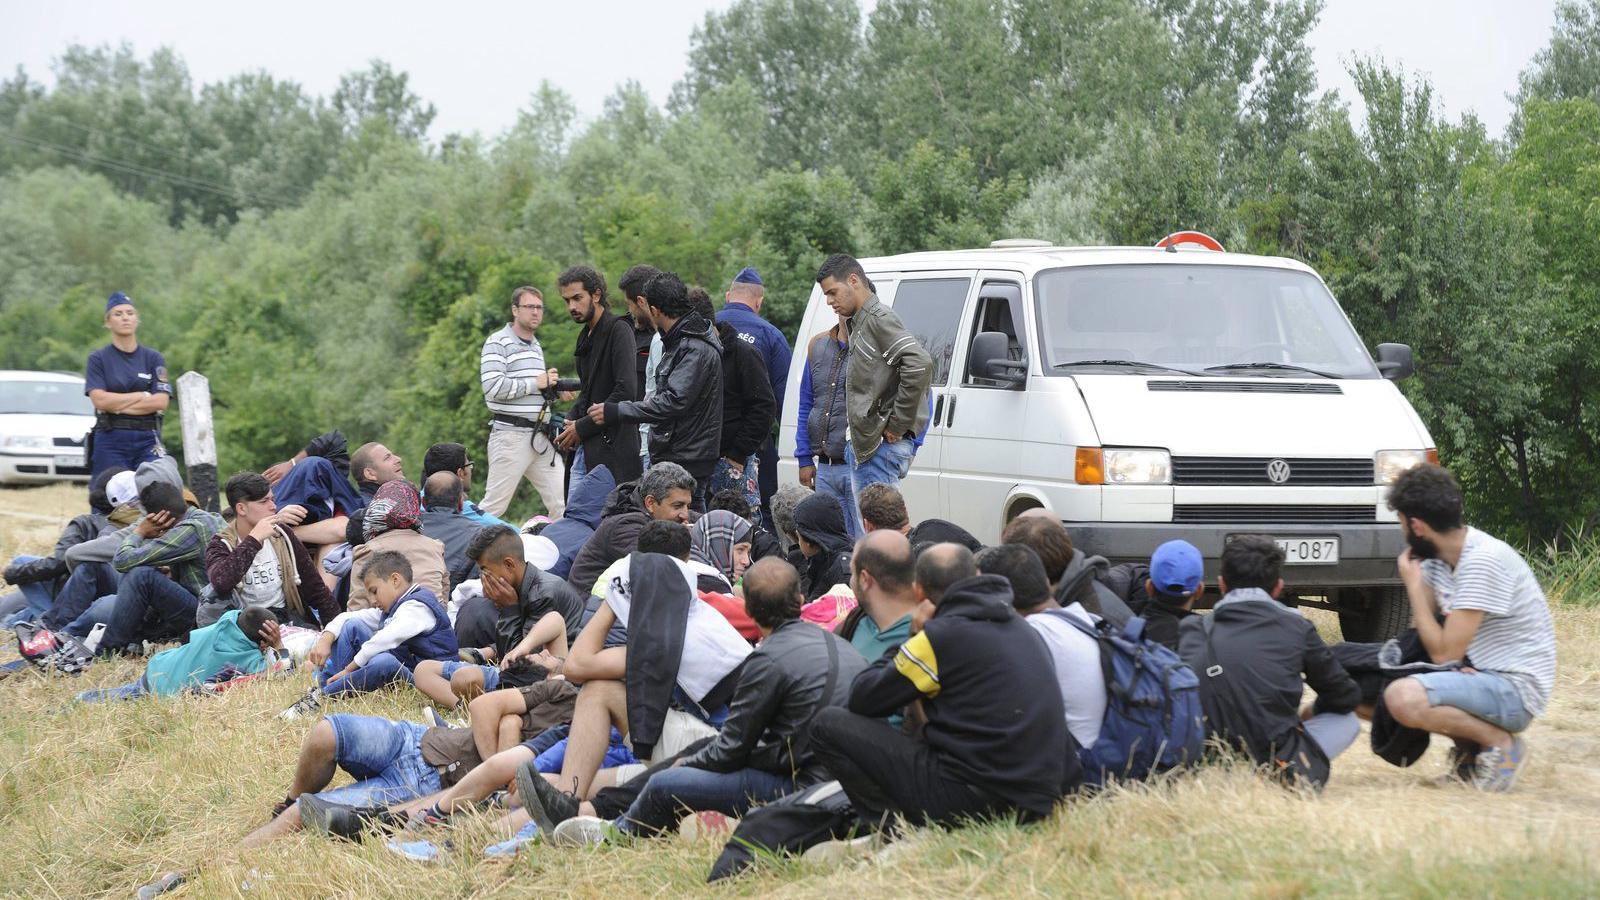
{"type": "Point", "coordinates": [479, 61]}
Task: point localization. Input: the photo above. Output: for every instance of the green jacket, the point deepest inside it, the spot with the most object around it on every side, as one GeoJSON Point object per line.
{"type": "Point", "coordinates": [886, 382]}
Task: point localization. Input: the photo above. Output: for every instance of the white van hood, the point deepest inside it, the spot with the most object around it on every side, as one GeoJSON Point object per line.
{"type": "Point", "coordinates": [1367, 416]}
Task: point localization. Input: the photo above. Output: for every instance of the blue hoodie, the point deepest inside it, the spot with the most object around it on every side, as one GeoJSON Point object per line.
{"type": "Point", "coordinates": [209, 649]}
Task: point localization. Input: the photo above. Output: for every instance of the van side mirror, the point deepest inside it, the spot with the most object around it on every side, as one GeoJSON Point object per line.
{"type": "Point", "coordinates": [1395, 362]}
{"type": "Point", "coordinates": [990, 358]}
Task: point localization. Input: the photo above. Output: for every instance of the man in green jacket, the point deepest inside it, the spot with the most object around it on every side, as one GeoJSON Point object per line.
{"type": "Point", "coordinates": [887, 373]}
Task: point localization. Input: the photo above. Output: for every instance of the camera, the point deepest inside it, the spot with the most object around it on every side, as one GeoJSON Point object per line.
{"type": "Point", "coordinates": [567, 385]}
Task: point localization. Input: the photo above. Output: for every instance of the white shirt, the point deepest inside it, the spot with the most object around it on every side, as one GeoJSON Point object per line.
{"type": "Point", "coordinates": [408, 621]}
{"type": "Point", "coordinates": [262, 584]}
{"type": "Point", "coordinates": [1078, 672]}
{"type": "Point", "coordinates": [711, 645]}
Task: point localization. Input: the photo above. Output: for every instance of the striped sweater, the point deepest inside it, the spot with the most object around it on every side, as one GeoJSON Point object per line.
{"type": "Point", "coordinates": [509, 371]}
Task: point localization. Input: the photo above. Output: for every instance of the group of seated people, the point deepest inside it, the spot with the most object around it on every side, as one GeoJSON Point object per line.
{"type": "Point", "coordinates": [632, 668]}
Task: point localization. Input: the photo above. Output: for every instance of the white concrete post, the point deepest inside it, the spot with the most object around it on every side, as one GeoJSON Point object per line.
{"type": "Point", "coordinates": [199, 441]}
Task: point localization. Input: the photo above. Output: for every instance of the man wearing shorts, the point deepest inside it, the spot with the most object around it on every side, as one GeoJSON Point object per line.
{"type": "Point", "coordinates": [1496, 624]}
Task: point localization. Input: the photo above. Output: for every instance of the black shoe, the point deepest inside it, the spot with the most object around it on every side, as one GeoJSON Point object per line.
{"type": "Point", "coordinates": [348, 822]}
{"type": "Point", "coordinates": [547, 805]}
{"type": "Point", "coordinates": [472, 655]}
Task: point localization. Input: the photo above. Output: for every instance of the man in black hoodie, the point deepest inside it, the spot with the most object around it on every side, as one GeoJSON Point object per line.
{"type": "Point", "coordinates": [685, 412]}
{"type": "Point", "coordinates": [996, 740]}
{"type": "Point", "coordinates": [1254, 657]}
{"type": "Point", "coordinates": [748, 407]}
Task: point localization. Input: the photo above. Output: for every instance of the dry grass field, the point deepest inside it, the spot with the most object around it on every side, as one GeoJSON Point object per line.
{"type": "Point", "coordinates": [95, 800]}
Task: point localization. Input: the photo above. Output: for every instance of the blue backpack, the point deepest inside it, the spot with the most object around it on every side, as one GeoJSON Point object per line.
{"type": "Point", "coordinates": [1153, 720]}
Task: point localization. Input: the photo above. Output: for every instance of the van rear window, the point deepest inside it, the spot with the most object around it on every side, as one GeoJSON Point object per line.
{"type": "Point", "coordinates": [1194, 317]}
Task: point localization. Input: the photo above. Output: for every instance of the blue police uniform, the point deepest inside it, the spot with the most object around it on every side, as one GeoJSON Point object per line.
{"type": "Point", "coordinates": [120, 440]}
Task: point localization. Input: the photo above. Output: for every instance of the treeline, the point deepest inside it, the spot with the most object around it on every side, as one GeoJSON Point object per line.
{"type": "Point", "coordinates": [326, 264]}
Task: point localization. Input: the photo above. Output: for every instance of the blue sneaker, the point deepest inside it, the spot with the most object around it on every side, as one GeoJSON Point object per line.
{"type": "Point", "coordinates": [1496, 769]}
{"type": "Point", "coordinates": [508, 848]}
{"type": "Point", "coordinates": [416, 851]}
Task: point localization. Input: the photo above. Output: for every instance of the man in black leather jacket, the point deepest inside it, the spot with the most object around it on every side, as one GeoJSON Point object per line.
{"type": "Point", "coordinates": [685, 412]}
{"type": "Point", "coordinates": [762, 751]}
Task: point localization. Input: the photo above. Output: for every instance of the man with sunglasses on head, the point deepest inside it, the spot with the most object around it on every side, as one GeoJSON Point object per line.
{"type": "Point", "coordinates": [127, 383]}
{"type": "Point", "coordinates": [514, 377]}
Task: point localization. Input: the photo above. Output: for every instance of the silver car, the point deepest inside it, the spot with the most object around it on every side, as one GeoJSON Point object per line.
{"type": "Point", "coordinates": [44, 418]}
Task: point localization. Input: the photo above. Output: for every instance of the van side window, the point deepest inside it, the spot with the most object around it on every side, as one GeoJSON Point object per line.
{"type": "Point", "coordinates": [994, 314]}
{"type": "Point", "coordinates": [931, 311]}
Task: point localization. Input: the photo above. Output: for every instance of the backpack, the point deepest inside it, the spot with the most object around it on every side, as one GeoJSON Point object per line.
{"type": "Point", "coordinates": [1127, 581]}
{"type": "Point", "coordinates": [52, 651]}
{"type": "Point", "coordinates": [789, 824]}
{"type": "Point", "coordinates": [1153, 721]}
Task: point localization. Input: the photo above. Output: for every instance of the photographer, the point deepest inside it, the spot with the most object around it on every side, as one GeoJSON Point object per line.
{"type": "Point", "coordinates": [518, 388]}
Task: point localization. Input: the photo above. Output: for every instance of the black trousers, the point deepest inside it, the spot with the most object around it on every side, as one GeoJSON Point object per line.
{"type": "Point", "coordinates": [883, 770]}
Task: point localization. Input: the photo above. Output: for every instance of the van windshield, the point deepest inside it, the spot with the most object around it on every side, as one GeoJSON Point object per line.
{"type": "Point", "coordinates": [1202, 319]}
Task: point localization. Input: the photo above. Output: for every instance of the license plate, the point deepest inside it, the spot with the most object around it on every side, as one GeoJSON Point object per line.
{"type": "Point", "coordinates": [1322, 551]}
{"type": "Point", "coordinates": [69, 462]}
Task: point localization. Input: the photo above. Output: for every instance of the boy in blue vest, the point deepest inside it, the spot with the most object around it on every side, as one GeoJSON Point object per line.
{"type": "Point", "coordinates": [363, 650]}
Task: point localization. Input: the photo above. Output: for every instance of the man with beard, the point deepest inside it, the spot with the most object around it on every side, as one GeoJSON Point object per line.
{"type": "Point", "coordinates": [1495, 624]}
{"type": "Point", "coordinates": [605, 357]}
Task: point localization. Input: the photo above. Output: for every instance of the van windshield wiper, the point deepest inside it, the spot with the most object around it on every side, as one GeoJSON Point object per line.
{"type": "Point", "coordinates": [1283, 367]}
{"type": "Point", "coordinates": [1125, 363]}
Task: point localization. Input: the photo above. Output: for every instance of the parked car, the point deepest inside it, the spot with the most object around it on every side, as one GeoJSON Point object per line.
{"type": "Point", "coordinates": [1143, 394]}
{"type": "Point", "coordinates": [44, 418]}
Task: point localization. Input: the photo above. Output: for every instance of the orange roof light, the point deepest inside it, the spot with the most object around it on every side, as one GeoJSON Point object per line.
{"type": "Point", "coordinates": [1189, 239]}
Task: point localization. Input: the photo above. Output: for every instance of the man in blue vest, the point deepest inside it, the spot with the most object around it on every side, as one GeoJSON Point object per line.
{"type": "Point", "coordinates": [742, 310]}
{"type": "Point", "coordinates": [366, 649]}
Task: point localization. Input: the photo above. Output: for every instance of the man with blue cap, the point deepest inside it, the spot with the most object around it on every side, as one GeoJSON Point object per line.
{"type": "Point", "coordinates": [1177, 579]}
{"type": "Point", "coordinates": [127, 383]}
{"type": "Point", "coordinates": [742, 310]}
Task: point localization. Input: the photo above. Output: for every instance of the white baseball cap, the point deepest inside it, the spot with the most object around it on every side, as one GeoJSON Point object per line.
{"type": "Point", "coordinates": [121, 489]}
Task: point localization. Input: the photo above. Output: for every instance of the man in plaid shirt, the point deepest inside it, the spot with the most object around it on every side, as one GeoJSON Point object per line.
{"type": "Point", "coordinates": [151, 603]}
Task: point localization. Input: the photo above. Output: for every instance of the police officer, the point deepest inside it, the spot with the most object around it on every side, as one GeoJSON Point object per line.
{"type": "Point", "coordinates": [127, 383]}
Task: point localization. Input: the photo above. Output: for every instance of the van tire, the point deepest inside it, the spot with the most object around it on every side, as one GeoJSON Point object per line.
{"type": "Point", "coordinates": [1377, 614]}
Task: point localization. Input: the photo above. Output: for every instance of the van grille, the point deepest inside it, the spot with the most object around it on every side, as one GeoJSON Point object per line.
{"type": "Point", "coordinates": [1244, 387]}
{"type": "Point", "coordinates": [1288, 514]}
{"type": "Point", "coordinates": [1253, 470]}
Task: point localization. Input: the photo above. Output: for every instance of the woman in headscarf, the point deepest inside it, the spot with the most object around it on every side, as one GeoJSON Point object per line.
{"type": "Point", "coordinates": [393, 521]}
{"type": "Point", "coordinates": [824, 542]}
{"type": "Point", "coordinates": [721, 539]}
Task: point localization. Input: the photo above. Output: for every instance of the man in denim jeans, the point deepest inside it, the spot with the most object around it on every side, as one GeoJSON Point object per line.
{"type": "Point", "coordinates": [886, 380]}
{"type": "Point", "coordinates": [1496, 624]}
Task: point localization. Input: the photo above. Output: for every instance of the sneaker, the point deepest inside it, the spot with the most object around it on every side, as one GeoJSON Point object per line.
{"type": "Point", "coordinates": [341, 821]}
{"type": "Point", "coordinates": [839, 852]}
{"type": "Point", "coordinates": [706, 825]}
{"type": "Point", "coordinates": [416, 851]}
{"type": "Point", "coordinates": [584, 831]}
{"type": "Point", "coordinates": [1496, 769]}
{"type": "Point", "coordinates": [169, 881]}
{"type": "Point", "coordinates": [427, 817]}
{"type": "Point", "coordinates": [547, 804]}
{"type": "Point", "coordinates": [305, 706]}
{"type": "Point", "coordinates": [430, 713]}
{"type": "Point", "coordinates": [472, 655]}
{"type": "Point", "coordinates": [508, 848]}
{"type": "Point", "coordinates": [1463, 763]}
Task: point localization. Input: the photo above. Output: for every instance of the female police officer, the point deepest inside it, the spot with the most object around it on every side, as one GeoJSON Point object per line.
{"type": "Point", "coordinates": [127, 383]}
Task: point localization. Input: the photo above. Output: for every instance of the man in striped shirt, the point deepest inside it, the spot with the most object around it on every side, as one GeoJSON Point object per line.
{"type": "Point", "coordinates": [1496, 626]}
{"type": "Point", "coordinates": [513, 375]}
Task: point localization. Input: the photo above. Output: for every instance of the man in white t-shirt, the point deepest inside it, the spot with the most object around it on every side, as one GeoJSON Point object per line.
{"type": "Point", "coordinates": [1496, 625]}
{"type": "Point", "coordinates": [1077, 656]}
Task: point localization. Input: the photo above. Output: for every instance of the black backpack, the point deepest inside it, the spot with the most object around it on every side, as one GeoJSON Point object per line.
{"type": "Point", "coordinates": [790, 825]}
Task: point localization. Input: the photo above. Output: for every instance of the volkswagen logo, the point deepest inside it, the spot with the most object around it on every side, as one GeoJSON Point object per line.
{"type": "Point", "coordinates": [1278, 471]}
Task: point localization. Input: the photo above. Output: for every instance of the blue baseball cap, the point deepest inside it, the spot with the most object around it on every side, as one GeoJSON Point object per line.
{"type": "Point", "coordinates": [1177, 569]}
{"type": "Point", "coordinates": [117, 299]}
{"type": "Point", "coordinates": [747, 275]}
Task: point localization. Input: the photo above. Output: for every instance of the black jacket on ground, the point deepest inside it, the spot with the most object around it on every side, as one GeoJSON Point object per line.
{"type": "Point", "coordinates": [685, 412]}
{"type": "Point", "coordinates": [658, 618]}
{"type": "Point", "coordinates": [455, 531]}
{"type": "Point", "coordinates": [984, 678]}
{"type": "Point", "coordinates": [621, 520]}
{"type": "Point", "coordinates": [606, 357]}
{"type": "Point", "coordinates": [1267, 654]}
{"type": "Point", "coordinates": [748, 406]}
{"type": "Point", "coordinates": [780, 690]}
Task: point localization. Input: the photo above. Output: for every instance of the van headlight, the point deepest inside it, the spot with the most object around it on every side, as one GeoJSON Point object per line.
{"type": "Point", "coordinates": [1138, 466]}
{"type": "Point", "coordinates": [24, 442]}
{"type": "Point", "coordinates": [1390, 463]}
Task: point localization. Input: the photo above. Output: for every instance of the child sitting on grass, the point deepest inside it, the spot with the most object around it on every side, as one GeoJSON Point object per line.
{"type": "Point", "coordinates": [247, 640]}
{"type": "Point", "coordinates": [363, 650]}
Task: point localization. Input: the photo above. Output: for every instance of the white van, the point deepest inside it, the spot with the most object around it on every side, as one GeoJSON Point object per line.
{"type": "Point", "coordinates": [1145, 394]}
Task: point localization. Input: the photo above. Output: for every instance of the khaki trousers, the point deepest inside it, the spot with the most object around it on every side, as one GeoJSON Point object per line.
{"type": "Point", "coordinates": [512, 457]}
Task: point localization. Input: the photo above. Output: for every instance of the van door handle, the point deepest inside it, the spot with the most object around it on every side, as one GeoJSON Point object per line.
{"type": "Point", "coordinates": [951, 420]}
{"type": "Point", "coordinates": [938, 409]}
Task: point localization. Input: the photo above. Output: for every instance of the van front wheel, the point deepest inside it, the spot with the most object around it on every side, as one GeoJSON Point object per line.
{"type": "Point", "coordinates": [1374, 614]}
